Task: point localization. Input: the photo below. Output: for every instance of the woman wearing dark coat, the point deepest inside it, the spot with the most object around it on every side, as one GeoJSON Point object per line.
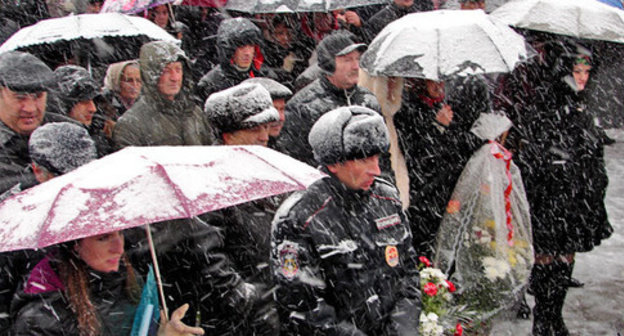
{"type": "Point", "coordinates": [87, 287]}
{"type": "Point", "coordinates": [566, 192]}
{"type": "Point", "coordinates": [436, 146]}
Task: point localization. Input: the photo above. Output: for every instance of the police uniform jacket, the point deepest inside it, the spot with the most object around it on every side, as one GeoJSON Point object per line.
{"type": "Point", "coordinates": [344, 263]}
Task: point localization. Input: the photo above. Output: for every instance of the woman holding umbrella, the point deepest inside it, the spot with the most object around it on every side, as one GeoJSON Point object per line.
{"type": "Point", "coordinates": [87, 287]}
{"type": "Point", "coordinates": [567, 169]}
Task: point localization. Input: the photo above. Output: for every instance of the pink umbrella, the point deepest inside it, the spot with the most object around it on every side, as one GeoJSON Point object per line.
{"type": "Point", "coordinates": [142, 185]}
{"type": "Point", "coordinates": [131, 6]}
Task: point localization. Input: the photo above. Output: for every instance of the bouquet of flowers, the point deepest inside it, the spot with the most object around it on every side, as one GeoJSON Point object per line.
{"type": "Point", "coordinates": [438, 316]}
{"type": "Point", "coordinates": [485, 236]}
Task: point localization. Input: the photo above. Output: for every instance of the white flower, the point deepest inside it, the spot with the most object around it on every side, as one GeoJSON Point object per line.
{"type": "Point", "coordinates": [495, 268]}
{"type": "Point", "coordinates": [430, 274]}
{"type": "Point", "coordinates": [429, 325]}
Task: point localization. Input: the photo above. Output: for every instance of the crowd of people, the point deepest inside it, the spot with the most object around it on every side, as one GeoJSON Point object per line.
{"type": "Point", "coordinates": [340, 258]}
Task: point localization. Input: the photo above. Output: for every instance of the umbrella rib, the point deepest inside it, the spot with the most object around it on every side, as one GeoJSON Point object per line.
{"type": "Point", "coordinates": [497, 49]}
{"type": "Point", "coordinates": [46, 222]}
{"type": "Point", "coordinates": [274, 166]}
{"type": "Point", "coordinates": [180, 196]}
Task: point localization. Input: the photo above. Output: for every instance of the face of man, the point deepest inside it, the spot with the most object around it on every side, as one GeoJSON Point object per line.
{"type": "Point", "coordinates": [22, 112]}
{"type": "Point", "coordinates": [170, 81]}
{"type": "Point", "coordinates": [434, 89]}
{"type": "Point", "coordinates": [160, 16]}
{"type": "Point", "coordinates": [357, 174]}
{"type": "Point", "coordinates": [276, 127]}
{"type": "Point", "coordinates": [404, 3]}
{"type": "Point", "coordinates": [347, 70]}
{"type": "Point", "coordinates": [83, 112]}
{"type": "Point", "coordinates": [243, 56]}
{"type": "Point", "coordinates": [470, 4]}
{"type": "Point", "coordinates": [258, 135]}
{"type": "Point", "coordinates": [282, 35]}
{"type": "Point", "coordinates": [580, 72]}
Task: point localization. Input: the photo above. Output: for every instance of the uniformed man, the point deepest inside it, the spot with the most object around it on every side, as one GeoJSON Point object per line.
{"type": "Point", "coordinates": [341, 250]}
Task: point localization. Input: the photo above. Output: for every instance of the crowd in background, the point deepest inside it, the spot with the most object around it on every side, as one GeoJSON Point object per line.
{"type": "Point", "coordinates": [287, 81]}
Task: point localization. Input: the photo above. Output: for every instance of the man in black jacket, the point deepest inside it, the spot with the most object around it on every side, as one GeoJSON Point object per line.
{"type": "Point", "coordinates": [341, 250]}
{"type": "Point", "coordinates": [240, 57]}
{"type": "Point", "coordinates": [339, 59]}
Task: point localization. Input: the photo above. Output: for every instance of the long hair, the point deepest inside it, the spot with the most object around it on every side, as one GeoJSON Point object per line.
{"type": "Point", "coordinates": [73, 273]}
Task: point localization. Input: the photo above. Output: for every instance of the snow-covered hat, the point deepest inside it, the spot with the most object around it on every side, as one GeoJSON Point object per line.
{"type": "Point", "coordinates": [338, 43]}
{"type": "Point", "coordinates": [23, 72]}
{"type": "Point", "coordinates": [276, 89]}
{"type": "Point", "coordinates": [74, 84]}
{"type": "Point", "coordinates": [61, 147]}
{"type": "Point", "coordinates": [348, 133]}
{"type": "Point", "coordinates": [240, 107]}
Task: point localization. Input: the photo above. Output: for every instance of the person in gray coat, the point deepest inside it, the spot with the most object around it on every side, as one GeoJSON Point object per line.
{"type": "Point", "coordinates": [165, 114]}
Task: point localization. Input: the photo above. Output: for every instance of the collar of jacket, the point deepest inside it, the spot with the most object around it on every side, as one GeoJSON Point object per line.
{"type": "Point", "coordinates": [328, 86]}
{"type": "Point", "coordinates": [181, 105]}
{"type": "Point", "coordinates": [343, 192]}
{"type": "Point", "coordinates": [7, 134]}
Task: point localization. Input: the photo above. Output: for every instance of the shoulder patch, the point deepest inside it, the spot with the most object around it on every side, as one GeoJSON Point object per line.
{"type": "Point", "coordinates": [288, 259]}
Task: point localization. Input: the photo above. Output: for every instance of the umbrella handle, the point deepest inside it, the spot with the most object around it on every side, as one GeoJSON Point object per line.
{"type": "Point", "coordinates": [156, 271]}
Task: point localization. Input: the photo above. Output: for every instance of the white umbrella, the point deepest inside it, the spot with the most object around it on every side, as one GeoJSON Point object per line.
{"type": "Point", "coordinates": [290, 6]}
{"type": "Point", "coordinates": [98, 28]}
{"type": "Point", "coordinates": [588, 19]}
{"type": "Point", "coordinates": [444, 43]}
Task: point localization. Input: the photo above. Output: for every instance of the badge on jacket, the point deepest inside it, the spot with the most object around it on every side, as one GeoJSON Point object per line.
{"type": "Point", "coordinates": [392, 255]}
{"type": "Point", "coordinates": [289, 260]}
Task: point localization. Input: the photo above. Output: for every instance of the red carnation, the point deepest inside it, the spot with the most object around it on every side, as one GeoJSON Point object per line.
{"type": "Point", "coordinates": [431, 289]}
{"type": "Point", "coordinates": [451, 286]}
{"type": "Point", "coordinates": [424, 260]}
{"type": "Point", "coordinates": [458, 330]}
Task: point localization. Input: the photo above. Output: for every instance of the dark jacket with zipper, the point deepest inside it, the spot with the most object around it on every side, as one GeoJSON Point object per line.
{"type": "Point", "coordinates": [308, 105]}
{"type": "Point", "coordinates": [344, 263]}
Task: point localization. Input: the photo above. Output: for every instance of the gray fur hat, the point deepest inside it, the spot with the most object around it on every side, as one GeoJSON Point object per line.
{"type": "Point", "coordinates": [61, 147]}
{"type": "Point", "coordinates": [240, 107]}
{"type": "Point", "coordinates": [276, 89]}
{"type": "Point", "coordinates": [348, 133]}
{"type": "Point", "coordinates": [338, 43]}
{"type": "Point", "coordinates": [23, 72]}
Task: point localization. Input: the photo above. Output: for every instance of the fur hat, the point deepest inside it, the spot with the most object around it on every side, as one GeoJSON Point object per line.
{"type": "Point", "coordinates": [240, 107]}
{"type": "Point", "coordinates": [61, 147]}
{"type": "Point", "coordinates": [74, 84]}
{"type": "Point", "coordinates": [338, 43]}
{"type": "Point", "coordinates": [348, 133]}
{"type": "Point", "coordinates": [277, 90]}
{"type": "Point", "coordinates": [23, 72]}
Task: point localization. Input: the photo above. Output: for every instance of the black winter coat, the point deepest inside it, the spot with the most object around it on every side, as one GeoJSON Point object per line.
{"type": "Point", "coordinates": [47, 312]}
{"type": "Point", "coordinates": [343, 262]}
{"type": "Point", "coordinates": [218, 264]}
{"type": "Point", "coordinates": [435, 157]}
{"type": "Point", "coordinates": [566, 177]}
{"type": "Point", "coordinates": [308, 105]}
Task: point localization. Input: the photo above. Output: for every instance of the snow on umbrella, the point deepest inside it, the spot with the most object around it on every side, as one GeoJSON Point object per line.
{"type": "Point", "coordinates": [444, 43]}
{"type": "Point", "coordinates": [588, 19]}
{"type": "Point", "coordinates": [141, 185]}
{"type": "Point", "coordinates": [290, 6]}
{"type": "Point", "coordinates": [97, 28]}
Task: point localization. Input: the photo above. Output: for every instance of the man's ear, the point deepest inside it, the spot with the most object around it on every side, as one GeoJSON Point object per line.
{"type": "Point", "coordinates": [226, 137]}
{"type": "Point", "coordinates": [333, 168]}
